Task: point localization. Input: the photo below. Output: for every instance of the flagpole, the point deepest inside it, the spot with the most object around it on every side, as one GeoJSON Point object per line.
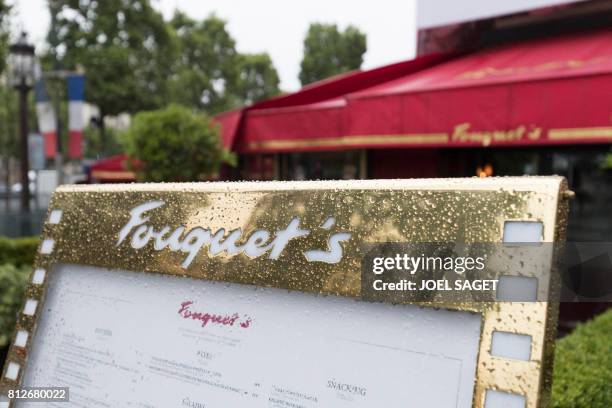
{"type": "Point", "coordinates": [59, 157]}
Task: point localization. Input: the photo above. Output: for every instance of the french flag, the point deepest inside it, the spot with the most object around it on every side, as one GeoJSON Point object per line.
{"type": "Point", "coordinates": [47, 123]}
{"type": "Point", "coordinates": [76, 120]}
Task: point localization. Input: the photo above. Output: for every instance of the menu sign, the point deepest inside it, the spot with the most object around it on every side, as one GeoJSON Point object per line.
{"type": "Point", "coordinates": [218, 295]}
{"type": "Point", "coordinates": [122, 339]}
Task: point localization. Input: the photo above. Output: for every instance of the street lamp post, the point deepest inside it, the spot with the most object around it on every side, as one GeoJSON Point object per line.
{"type": "Point", "coordinates": [21, 77]}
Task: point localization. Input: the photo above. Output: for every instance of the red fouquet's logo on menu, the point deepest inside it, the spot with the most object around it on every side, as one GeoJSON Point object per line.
{"type": "Point", "coordinates": [206, 318]}
{"type": "Point", "coordinates": [258, 243]}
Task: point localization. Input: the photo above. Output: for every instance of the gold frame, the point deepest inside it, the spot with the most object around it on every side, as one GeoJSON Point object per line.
{"type": "Point", "coordinates": [83, 223]}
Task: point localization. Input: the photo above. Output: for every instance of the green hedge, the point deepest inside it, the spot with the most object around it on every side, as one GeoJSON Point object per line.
{"type": "Point", "coordinates": [12, 286]}
{"type": "Point", "coordinates": [583, 366]}
{"type": "Point", "coordinates": [18, 251]}
{"type": "Point", "coordinates": [16, 259]}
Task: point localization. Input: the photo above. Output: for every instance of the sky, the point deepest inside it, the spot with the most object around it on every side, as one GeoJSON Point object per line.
{"type": "Point", "coordinates": [278, 27]}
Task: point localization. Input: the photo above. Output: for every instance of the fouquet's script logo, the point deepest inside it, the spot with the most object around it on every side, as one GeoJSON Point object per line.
{"type": "Point", "coordinates": [213, 319]}
{"type": "Point", "coordinates": [257, 244]}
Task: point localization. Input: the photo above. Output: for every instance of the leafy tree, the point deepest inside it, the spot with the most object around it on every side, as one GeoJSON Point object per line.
{"type": "Point", "coordinates": [8, 136]}
{"type": "Point", "coordinates": [135, 61]}
{"type": "Point", "coordinates": [5, 9]}
{"type": "Point", "coordinates": [93, 145]}
{"type": "Point", "coordinates": [124, 46]}
{"type": "Point", "coordinates": [8, 141]}
{"type": "Point", "coordinates": [174, 144]}
{"type": "Point", "coordinates": [206, 70]}
{"type": "Point", "coordinates": [327, 51]}
{"type": "Point", "coordinates": [257, 78]}
{"type": "Point", "coordinates": [8, 123]}
{"type": "Point", "coordinates": [210, 74]}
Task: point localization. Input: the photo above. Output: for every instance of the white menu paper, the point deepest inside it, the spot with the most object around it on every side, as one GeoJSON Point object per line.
{"type": "Point", "coordinates": [126, 339]}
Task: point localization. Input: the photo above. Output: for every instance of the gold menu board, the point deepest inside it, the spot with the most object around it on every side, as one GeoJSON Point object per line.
{"type": "Point", "coordinates": [306, 237]}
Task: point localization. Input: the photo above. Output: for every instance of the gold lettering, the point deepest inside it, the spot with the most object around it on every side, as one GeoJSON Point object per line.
{"type": "Point", "coordinates": [534, 133]}
{"type": "Point", "coordinates": [462, 134]}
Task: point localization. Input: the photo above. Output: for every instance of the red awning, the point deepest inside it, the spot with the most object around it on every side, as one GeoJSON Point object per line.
{"type": "Point", "coordinates": [549, 91]}
{"type": "Point", "coordinates": [111, 170]}
{"type": "Point", "coordinates": [230, 124]}
{"type": "Point", "coordinates": [310, 113]}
